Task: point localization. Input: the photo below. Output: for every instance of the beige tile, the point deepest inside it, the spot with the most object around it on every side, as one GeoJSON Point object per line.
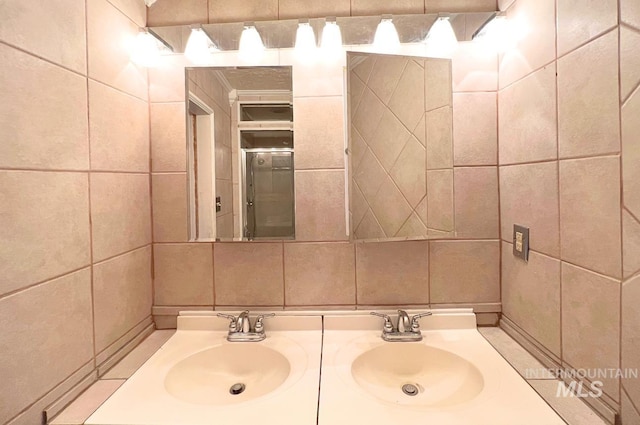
{"type": "Point", "coordinates": [369, 228]}
{"type": "Point", "coordinates": [588, 105]}
{"type": "Point", "coordinates": [629, 61]}
{"type": "Point", "coordinates": [136, 10]}
{"type": "Point", "coordinates": [437, 83]}
{"type": "Point", "coordinates": [385, 75]}
{"type": "Point", "coordinates": [168, 135]}
{"type": "Point", "coordinates": [420, 132]}
{"type": "Point", "coordinates": [475, 129]}
{"type": "Point", "coordinates": [119, 129]}
{"type": "Point", "coordinates": [45, 222]}
{"type": "Point", "coordinates": [529, 197]}
{"type": "Point", "coordinates": [630, 13]}
{"type": "Point", "coordinates": [319, 134]}
{"type": "Point", "coordinates": [391, 273]}
{"type": "Point", "coordinates": [51, 30]}
{"type": "Point", "coordinates": [379, 7]}
{"type": "Point", "coordinates": [47, 332]}
{"type": "Point", "coordinates": [631, 153]}
{"type": "Point", "coordinates": [478, 280]}
{"type": "Point", "coordinates": [407, 103]}
{"type": "Point", "coordinates": [368, 115]}
{"type": "Point", "coordinates": [572, 409]}
{"type": "Point", "coordinates": [88, 402]}
{"type": "Point", "coordinates": [243, 10]}
{"type": "Point", "coordinates": [294, 9]}
{"type": "Point", "coordinates": [319, 274]}
{"type": "Point", "coordinates": [459, 6]}
{"type": "Point", "coordinates": [535, 24]}
{"type": "Point", "coordinates": [122, 295]}
{"type": "Point", "coordinates": [390, 208]}
{"type": "Point", "coordinates": [355, 89]}
{"type": "Point", "coordinates": [505, 4]}
{"type": "Point", "coordinates": [628, 412]}
{"type": "Point", "coordinates": [249, 274]}
{"type": "Point", "coordinates": [363, 69]}
{"type": "Point", "coordinates": [409, 173]}
{"type": "Point", "coordinates": [582, 20]}
{"type": "Point", "coordinates": [413, 228]}
{"type": "Point", "coordinates": [439, 200]}
{"type": "Point", "coordinates": [630, 244]}
{"type": "Point", "coordinates": [474, 68]}
{"type": "Point", "coordinates": [631, 334]}
{"type": "Point", "coordinates": [166, 81]}
{"type": "Point", "coordinates": [357, 149]}
{"type": "Point", "coordinates": [320, 206]}
{"type": "Point", "coordinates": [515, 354]}
{"type": "Point", "coordinates": [44, 125]}
{"type": "Point", "coordinates": [527, 119]}
{"type": "Point", "coordinates": [109, 35]}
{"type": "Point", "coordinates": [591, 322]}
{"type": "Point", "coordinates": [323, 78]}
{"type": "Point", "coordinates": [120, 213]}
{"type": "Point", "coordinates": [178, 12]}
{"type": "Point", "coordinates": [389, 139]}
{"type": "Point", "coordinates": [183, 274]}
{"type": "Point", "coordinates": [476, 202]}
{"type": "Point", "coordinates": [369, 176]}
{"type": "Point", "coordinates": [170, 208]}
{"type": "Point", "coordinates": [531, 295]}
{"type": "Point", "coordinates": [590, 214]}
{"type": "Point", "coordinates": [126, 367]}
{"type": "Point", "coordinates": [439, 127]}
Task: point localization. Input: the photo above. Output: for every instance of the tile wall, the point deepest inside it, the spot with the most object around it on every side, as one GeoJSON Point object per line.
{"type": "Point", "coordinates": [75, 214]}
{"type": "Point", "coordinates": [569, 150]}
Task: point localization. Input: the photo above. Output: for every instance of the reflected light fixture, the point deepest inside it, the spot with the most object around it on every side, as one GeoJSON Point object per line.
{"type": "Point", "coordinates": [495, 33]}
{"type": "Point", "coordinates": [147, 49]}
{"type": "Point", "coordinates": [331, 41]}
{"type": "Point", "coordinates": [305, 47]}
{"type": "Point", "coordinates": [441, 41]}
{"type": "Point", "coordinates": [199, 46]}
{"type": "Point", "coordinates": [251, 47]}
{"type": "Point", "coordinates": [386, 39]}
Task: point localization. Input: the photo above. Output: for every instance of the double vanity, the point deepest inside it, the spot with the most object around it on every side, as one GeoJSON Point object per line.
{"type": "Point", "coordinates": [326, 368]}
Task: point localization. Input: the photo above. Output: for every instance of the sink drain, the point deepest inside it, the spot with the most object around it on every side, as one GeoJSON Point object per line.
{"type": "Point", "coordinates": [237, 389]}
{"type": "Point", "coordinates": [410, 389]}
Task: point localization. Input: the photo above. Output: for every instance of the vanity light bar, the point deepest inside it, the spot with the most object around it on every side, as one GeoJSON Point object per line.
{"type": "Point", "coordinates": [147, 49]}
{"type": "Point", "coordinates": [386, 39]}
{"type": "Point", "coordinates": [251, 47]}
{"type": "Point", "coordinates": [199, 46]}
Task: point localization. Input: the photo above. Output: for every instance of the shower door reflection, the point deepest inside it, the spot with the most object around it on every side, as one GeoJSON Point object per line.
{"type": "Point", "coordinates": [269, 194]}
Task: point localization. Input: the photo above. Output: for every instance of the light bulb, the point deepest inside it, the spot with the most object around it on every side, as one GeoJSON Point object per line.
{"type": "Point", "coordinates": [305, 42]}
{"type": "Point", "coordinates": [441, 41]}
{"type": "Point", "coordinates": [251, 46]}
{"type": "Point", "coordinates": [386, 39]}
{"type": "Point", "coordinates": [199, 47]}
{"type": "Point", "coordinates": [331, 42]}
{"type": "Point", "coordinates": [146, 50]}
{"type": "Point", "coordinates": [496, 34]}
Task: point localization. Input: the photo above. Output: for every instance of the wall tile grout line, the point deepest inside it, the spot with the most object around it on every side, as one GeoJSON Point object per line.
{"type": "Point", "coordinates": [621, 192]}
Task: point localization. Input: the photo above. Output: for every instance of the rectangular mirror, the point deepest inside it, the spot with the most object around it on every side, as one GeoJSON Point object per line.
{"type": "Point", "coordinates": [400, 147]}
{"type": "Point", "coordinates": [240, 153]}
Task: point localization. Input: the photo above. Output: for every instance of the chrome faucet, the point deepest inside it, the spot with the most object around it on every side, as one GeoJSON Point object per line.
{"type": "Point", "coordinates": [407, 329]}
{"type": "Point", "coordinates": [240, 329]}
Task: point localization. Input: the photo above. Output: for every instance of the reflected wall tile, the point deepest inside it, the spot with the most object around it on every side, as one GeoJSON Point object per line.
{"type": "Point", "coordinates": [531, 295]}
{"type": "Point", "coordinates": [368, 115]}
{"type": "Point", "coordinates": [476, 202]}
{"type": "Point", "coordinates": [110, 33]}
{"type": "Point", "coordinates": [439, 128]}
{"type": "Point", "coordinates": [319, 132]}
{"type": "Point", "coordinates": [630, 244]}
{"type": "Point", "coordinates": [45, 222]}
{"type": "Point", "coordinates": [294, 9]}
{"type": "Point", "coordinates": [582, 20]}
{"type": "Point", "coordinates": [389, 139]}
{"type": "Point", "coordinates": [47, 330]}
{"type": "Point", "coordinates": [178, 12]}
{"type": "Point", "coordinates": [406, 102]}
{"type": "Point", "coordinates": [378, 7]}
{"type": "Point", "coordinates": [439, 200]}
{"type": "Point", "coordinates": [392, 272]}
{"type": "Point", "coordinates": [630, 12]}
{"type": "Point", "coordinates": [588, 101]}
{"type": "Point", "coordinates": [629, 61]}
{"type": "Point", "coordinates": [135, 10]}
{"type": "Point", "coordinates": [242, 10]}
{"type": "Point", "coordinates": [249, 274]}
{"type": "Point", "coordinates": [437, 90]}
{"type": "Point", "coordinates": [631, 153]}
{"type": "Point", "coordinates": [319, 274]}
{"type": "Point", "coordinates": [52, 30]}
{"type": "Point", "coordinates": [475, 129]}
{"type": "Point", "coordinates": [390, 208]}
{"type": "Point", "coordinates": [409, 173]}
{"type": "Point", "coordinates": [320, 205]}
{"type": "Point", "coordinates": [385, 76]}
{"type": "Point", "coordinates": [183, 274]}
{"type": "Point", "coordinates": [122, 295]}
{"type": "Point", "coordinates": [464, 271]}
{"type": "Point", "coordinates": [369, 228]}
{"type": "Point", "coordinates": [168, 135]}
{"type": "Point", "coordinates": [590, 214]}
{"type": "Point", "coordinates": [119, 129]}
{"type": "Point", "coordinates": [44, 124]}
{"type": "Point", "coordinates": [170, 208]}
{"type": "Point", "coordinates": [631, 334]}
{"type": "Point", "coordinates": [459, 6]}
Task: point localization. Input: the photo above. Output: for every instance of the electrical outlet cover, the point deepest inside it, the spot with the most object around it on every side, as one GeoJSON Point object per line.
{"type": "Point", "coordinates": [521, 242]}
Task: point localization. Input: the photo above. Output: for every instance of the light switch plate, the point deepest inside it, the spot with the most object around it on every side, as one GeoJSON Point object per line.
{"type": "Point", "coordinates": [521, 242]}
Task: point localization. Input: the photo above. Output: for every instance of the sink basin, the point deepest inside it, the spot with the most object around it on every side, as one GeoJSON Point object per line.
{"type": "Point", "coordinates": [416, 374]}
{"type": "Point", "coordinates": [207, 377]}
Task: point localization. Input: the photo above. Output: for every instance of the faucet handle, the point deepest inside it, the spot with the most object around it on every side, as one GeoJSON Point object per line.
{"type": "Point", "coordinates": [415, 324]}
{"type": "Point", "coordinates": [232, 321]}
{"type": "Point", "coordinates": [259, 326]}
{"type": "Point", "coordinates": [388, 326]}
